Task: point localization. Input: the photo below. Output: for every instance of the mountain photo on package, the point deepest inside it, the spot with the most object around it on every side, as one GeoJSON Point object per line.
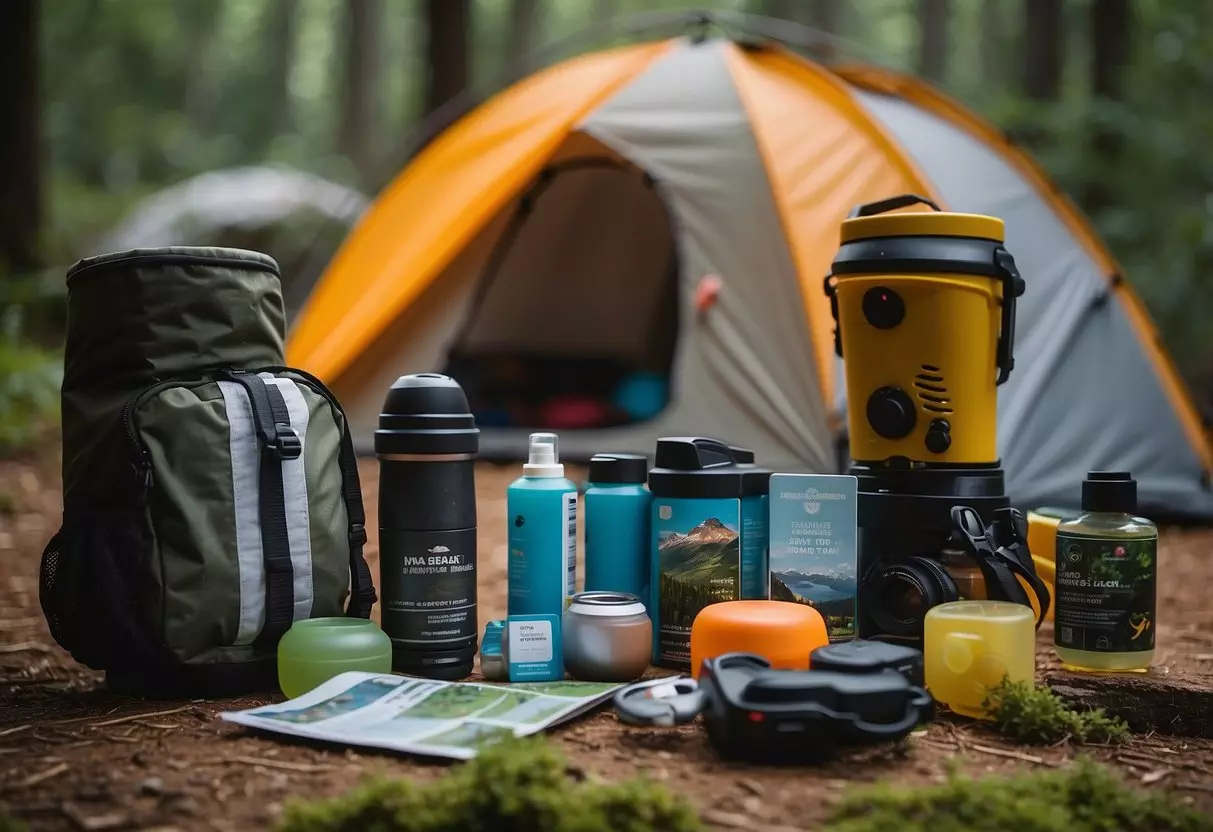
{"type": "Point", "coordinates": [813, 546]}
{"type": "Point", "coordinates": [699, 560]}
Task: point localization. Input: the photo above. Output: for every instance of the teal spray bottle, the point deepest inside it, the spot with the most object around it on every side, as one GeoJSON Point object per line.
{"type": "Point", "coordinates": [541, 509]}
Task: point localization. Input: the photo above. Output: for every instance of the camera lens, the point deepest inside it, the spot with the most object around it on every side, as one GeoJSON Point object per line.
{"type": "Point", "coordinates": [883, 307]}
{"type": "Point", "coordinates": [898, 596]}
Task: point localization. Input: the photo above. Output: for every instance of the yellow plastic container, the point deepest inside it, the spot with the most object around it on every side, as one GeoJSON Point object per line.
{"type": "Point", "coordinates": [1042, 543]}
{"type": "Point", "coordinates": [969, 646]}
{"type": "Point", "coordinates": [924, 304]}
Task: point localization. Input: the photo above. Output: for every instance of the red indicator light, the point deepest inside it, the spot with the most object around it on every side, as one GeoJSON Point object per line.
{"type": "Point", "coordinates": [755, 716]}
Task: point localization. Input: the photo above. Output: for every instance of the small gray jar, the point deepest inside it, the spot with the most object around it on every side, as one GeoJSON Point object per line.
{"type": "Point", "coordinates": [608, 637]}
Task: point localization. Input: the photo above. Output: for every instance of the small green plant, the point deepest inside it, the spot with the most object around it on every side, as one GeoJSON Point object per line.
{"type": "Point", "coordinates": [8, 823]}
{"type": "Point", "coordinates": [1084, 797]}
{"type": "Point", "coordinates": [510, 785]}
{"type": "Point", "coordinates": [1034, 715]}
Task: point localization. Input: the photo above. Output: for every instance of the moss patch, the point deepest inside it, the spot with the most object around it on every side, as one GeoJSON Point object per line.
{"type": "Point", "coordinates": [526, 784]}
{"type": "Point", "coordinates": [514, 784]}
{"type": "Point", "coordinates": [1034, 715]}
{"type": "Point", "coordinates": [1085, 797]}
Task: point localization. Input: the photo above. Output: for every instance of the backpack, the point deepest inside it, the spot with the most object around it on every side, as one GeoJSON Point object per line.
{"type": "Point", "coordinates": [210, 494]}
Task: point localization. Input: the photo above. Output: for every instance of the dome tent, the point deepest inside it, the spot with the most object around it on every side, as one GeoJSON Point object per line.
{"type": "Point", "coordinates": [563, 215]}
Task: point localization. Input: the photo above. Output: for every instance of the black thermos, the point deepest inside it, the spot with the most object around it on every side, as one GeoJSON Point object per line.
{"type": "Point", "coordinates": [427, 443]}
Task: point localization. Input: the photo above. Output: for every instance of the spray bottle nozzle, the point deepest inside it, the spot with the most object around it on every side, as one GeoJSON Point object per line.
{"type": "Point", "coordinates": [544, 457]}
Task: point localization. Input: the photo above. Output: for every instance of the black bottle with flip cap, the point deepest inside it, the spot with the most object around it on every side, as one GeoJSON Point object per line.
{"type": "Point", "coordinates": [709, 538]}
{"type": "Point", "coordinates": [427, 444]}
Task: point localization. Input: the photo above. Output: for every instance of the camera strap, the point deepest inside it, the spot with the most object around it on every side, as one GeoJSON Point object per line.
{"type": "Point", "coordinates": [1001, 584]}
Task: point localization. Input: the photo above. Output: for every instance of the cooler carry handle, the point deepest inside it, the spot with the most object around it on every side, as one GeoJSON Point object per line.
{"type": "Point", "coordinates": [893, 203]}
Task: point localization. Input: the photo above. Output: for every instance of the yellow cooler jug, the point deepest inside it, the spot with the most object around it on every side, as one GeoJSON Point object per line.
{"type": "Point", "coordinates": [924, 307]}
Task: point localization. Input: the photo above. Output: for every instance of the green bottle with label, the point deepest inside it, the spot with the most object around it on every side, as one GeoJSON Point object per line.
{"type": "Point", "coordinates": [1107, 575]}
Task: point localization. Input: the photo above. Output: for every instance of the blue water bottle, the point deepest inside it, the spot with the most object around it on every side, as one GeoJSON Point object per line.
{"type": "Point", "coordinates": [541, 508]}
{"type": "Point", "coordinates": [617, 507]}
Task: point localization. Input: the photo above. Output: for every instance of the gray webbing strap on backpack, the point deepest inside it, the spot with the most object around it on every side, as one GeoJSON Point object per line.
{"type": "Point", "coordinates": [279, 443]}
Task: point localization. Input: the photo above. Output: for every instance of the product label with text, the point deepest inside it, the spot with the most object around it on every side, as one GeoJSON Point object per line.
{"type": "Point", "coordinates": [1105, 593]}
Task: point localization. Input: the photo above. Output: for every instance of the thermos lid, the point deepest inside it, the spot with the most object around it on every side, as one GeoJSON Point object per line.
{"type": "Point", "coordinates": [924, 224]}
{"type": "Point", "coordinates": [426, 414]}
{"type": "Point", "coordinates": [1109, 491]}
{"type": "Point", "coordinates": [619, 468]}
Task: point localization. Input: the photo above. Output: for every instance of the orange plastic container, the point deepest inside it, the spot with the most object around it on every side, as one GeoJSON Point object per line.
{"type": "Point", "coordinates": [781, 632]}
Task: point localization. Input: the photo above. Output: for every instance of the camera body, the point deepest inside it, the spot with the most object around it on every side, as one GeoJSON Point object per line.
{"type": "Point", "coordinates": [910, 554]}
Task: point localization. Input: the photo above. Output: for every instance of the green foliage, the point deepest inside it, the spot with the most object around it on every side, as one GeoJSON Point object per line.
{"type": "Point", "coordinates": [8, 823]}
{"type": "Point", "coordinates": [509, 785]}
{"type": "Point", "coordinates": [1034, 715]}
{"type": "Point", "coordinates": [29, 384]}
{"type": "Point", "coordinates": [1085, 797]}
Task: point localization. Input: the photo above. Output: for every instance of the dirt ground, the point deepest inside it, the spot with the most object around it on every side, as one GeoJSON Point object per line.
{"type": "Point", "coordinates": [75, 757]}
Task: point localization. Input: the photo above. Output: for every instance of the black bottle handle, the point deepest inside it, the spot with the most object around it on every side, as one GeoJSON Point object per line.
{"type": "Point", "coordinates": [920, 708]}
{"type": "Point", "coordinates": [891, 204]}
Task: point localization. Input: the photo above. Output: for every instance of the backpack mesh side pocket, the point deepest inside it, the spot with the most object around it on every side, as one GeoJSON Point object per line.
{"type": "Point", "coordinates": [90, 590]}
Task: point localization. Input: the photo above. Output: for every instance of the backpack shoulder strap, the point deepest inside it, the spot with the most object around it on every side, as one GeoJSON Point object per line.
{"type": "Point", "coordinates": [362, 588]}
{"type": "Point", "coordinates": [279, 442]}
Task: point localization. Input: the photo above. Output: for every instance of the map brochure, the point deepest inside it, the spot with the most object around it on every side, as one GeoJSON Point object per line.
{"type": "Point", "coordinates": [424, 716]}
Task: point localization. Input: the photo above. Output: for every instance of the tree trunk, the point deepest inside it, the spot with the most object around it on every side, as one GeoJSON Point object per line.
{"type": "Point", "coordinates": [992, 34]}
{"type": "Point", "coordinates": [201, 20]}
{"type": "Point", "coordinates": [933, 18]}
{"type": "Point", "coordinates": [782, 9]}
{"type": "Point", "coordinates": [1043, 50]}
{"type": "Point", "coordinates": [356, 138]}
{"type": "Point", "coordinates": [447, 52]}
{"type": "Point", "coordinates": [603, 11]}
{"type": "Point", "coordinates": [1111, 24]}
{"type": "Point", "coordinates": [826, 17]}
{"type": "Point", "coordinates": [276, 40]}
{"type": "Point", "coordinates": [523, 32]}
{"type": "Point", "coordinates": [21, 184]}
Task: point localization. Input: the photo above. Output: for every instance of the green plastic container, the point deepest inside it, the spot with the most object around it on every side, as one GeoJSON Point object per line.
{"type": "Point", "coordinates": [316, 650]}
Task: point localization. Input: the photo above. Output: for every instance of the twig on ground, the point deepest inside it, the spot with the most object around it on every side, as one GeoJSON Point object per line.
{"type": "Point", "coordinates": [24, 647]}
{"type": "Point", "coordinates": [1155, 776]}
{"type": "Point", "coordinates": [35, 779]}
{"type": "Point", "coordinates": [1013, 755]}
{"type": "Point", "coordinates": [306, 768]}
{"type": "Point", "coordinates": [135, 717]}
{"type": "Point", "coordinates": [97, 823]}
{"type": "Point", "coordinates": [16, 729]}
{"type": "Point", "coordinates": [1194, 787]}
{"type": "Point", "coordinates": [75, 719]}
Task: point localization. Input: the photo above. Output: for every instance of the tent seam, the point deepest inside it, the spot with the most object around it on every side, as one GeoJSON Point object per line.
{"type": "Point", "coordinates": [860, 120]}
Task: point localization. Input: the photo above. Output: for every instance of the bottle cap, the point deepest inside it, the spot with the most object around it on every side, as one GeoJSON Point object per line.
{"type": "Point", "coordinates": [544, 459]}
{"type": "Point", "coordinates": [426, 414]}
{"type": "Point", "coordinates": [619, 468]}
{"type": "Point", "coordinates": [1109, 491]}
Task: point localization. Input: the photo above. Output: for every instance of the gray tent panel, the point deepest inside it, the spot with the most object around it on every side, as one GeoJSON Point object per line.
{"type": "Point", "coordinates": [745, 369]}
{"type": "Point", "coordinates": [1084, 394]}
